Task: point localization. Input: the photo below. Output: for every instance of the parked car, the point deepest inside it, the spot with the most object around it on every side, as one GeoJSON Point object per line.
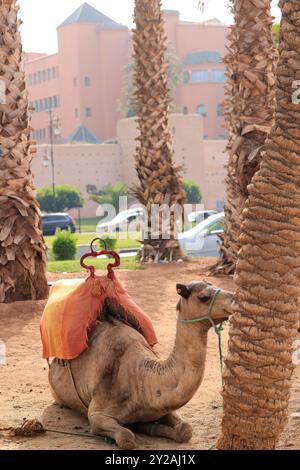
{"type": "Point", "coordinates": [202, 240]}
{"type": "Point", "coordinates": [121, 221]}
{"type": "Point", "coordinates": [52, 222]}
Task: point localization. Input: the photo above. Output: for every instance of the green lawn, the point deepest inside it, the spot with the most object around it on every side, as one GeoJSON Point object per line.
{"type": "Point", "coordinates": [86, 238]}
{"type": "Point", "coordinates": [74, 266]}
{"type": "Point", "coordinates": [88, 225]}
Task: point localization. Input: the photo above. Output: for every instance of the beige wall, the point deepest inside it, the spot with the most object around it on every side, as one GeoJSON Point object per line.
{"type": "Point", "coordinates": [215, 160]}
{"type": "Point", "coordinates": [187, 132]}
{"type": "Point", "coordinates": [79, 165]}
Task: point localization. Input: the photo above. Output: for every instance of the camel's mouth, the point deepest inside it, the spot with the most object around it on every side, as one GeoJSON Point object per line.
{"type": "Point", "coordinates": [220, 320]}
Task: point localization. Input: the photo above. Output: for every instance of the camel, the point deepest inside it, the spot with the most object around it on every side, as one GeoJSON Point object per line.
{"type": "Point", "coordinates": [118, 382]}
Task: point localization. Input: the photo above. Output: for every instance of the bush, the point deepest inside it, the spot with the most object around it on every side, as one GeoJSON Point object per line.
{"type": "Point", "coordinates": [66, 197]}
{"type": "Point", "coordinates": [64, 246]}
{"type": "Point", "coordinates": [111, 243]}
{"type": "Point", "coordinates": [193, 192]}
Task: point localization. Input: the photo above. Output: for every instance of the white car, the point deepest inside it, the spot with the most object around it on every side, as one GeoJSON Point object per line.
{"type": "Point", "coordinates": [198, 216]}
{"type": "Point", "coordinates": [202, 240]}
{"type": "Point", "coordinates": [121, 221]}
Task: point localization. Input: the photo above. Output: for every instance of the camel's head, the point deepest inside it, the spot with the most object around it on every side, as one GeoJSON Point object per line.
{"type": "Point", "coordinates": [196, 299]}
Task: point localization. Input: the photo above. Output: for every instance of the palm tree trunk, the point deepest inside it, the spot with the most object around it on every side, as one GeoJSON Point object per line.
{"type": "Point", "coordinates": [22, 249]}
{"type": "Point", "coordinates": [249, 111]}
{"type": "Point", "coordinates": [259, 363]}
{"type": "Point", "coordinates": [160, 181]}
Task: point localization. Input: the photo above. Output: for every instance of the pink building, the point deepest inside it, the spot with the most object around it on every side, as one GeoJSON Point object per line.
{"type": "Point", "coordinates": [200, 48]}
{"type": "Point", "coordinates": [82, 83]}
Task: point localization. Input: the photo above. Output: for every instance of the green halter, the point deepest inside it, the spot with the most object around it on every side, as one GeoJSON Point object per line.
{"type": "Point", "coordinates": [218, 329]}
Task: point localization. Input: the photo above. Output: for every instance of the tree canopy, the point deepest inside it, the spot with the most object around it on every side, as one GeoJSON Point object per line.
{"type": "Point", "coordinates": [66, 197]}
{"type": "Point", "coordinates": [193, 192]}
{"type": "Point", "coordinates": [109, 194]}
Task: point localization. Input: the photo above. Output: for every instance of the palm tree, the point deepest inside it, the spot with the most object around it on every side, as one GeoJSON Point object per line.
{"type": "Point", "coordinates": [159, 181]}
{"type": "Point", "coordinates": [22, 249]}
{"type": "Point", "coordinates": [259, 363]}
{"type": "Point", "coordinates": [249, 112]}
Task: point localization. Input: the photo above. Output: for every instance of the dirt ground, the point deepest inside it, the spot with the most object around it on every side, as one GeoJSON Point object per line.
{"type": "Point", "coordinates": [24, 391]}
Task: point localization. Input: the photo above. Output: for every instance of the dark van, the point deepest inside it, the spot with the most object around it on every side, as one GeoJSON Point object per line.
{"type": "Point", "coordinates": [51, 222]}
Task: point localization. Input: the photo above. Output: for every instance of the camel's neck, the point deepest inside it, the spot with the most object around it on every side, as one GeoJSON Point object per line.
{"type": "Point", "coordinates": [177, 379]}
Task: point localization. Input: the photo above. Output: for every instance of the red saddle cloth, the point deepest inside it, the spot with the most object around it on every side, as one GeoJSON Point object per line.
{"type": "Point", "coordinates": [72, 310]}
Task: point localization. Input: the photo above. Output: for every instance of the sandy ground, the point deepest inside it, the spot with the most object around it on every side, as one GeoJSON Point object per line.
{"type": "Point", "coordinates": [24, 391]}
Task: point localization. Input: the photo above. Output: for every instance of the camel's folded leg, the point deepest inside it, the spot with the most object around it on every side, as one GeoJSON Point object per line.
{"type": "Point", "coordinates": [105, 425]}
{"type": "Point", "coordinates": [170, 426]}
{"type": "Point", "coordinates": [184, 430]}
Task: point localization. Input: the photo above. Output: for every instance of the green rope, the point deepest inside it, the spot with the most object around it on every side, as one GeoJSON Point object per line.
{"type": "Point", "coordinates": [218, 329]}
{"type": "Point", "coordinates": [106, 439]}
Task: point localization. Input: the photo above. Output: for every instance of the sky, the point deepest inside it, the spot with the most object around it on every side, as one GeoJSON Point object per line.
{"type": "Point", "coordinates": [41, 17]}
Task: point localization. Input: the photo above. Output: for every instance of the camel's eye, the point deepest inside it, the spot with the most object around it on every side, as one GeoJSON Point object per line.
{"type": "Point", "coordinates": [204, 299]}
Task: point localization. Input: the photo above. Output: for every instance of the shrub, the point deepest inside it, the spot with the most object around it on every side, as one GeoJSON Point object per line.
{"type": "Point", "coordinates": [111, 243]}
{"type": "Point", "coordinates": [64, 246]}
{"type": "Point", "coordinates": [66, 197]}
{"type": "Point", "coordinates": [193, 192]}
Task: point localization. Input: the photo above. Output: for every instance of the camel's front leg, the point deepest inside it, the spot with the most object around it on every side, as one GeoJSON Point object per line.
{"type": "Point", "coordinates": [183, 430]}
{"type": "Point", "coordinates": [170, 426]}
{"type": "Point", "coordinates": [105, 425]}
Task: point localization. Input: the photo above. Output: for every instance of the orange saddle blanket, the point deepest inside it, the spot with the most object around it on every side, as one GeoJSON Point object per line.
{"type": "Point", "coordinates": [73, 310]}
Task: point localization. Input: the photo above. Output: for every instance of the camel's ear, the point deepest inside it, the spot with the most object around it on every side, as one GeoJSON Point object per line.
{"type": "Point", "coordinates": [183, 291]}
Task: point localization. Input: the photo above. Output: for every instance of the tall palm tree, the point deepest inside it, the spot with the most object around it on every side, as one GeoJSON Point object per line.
{"type": "Point", "coordinates": [259, 363]}
{"type": "Point", "coordinates": [22, 249]}
{"type": "Point", "coordinates": [159, 181]}
{"type": "Point", "coordinates": [249, 112]}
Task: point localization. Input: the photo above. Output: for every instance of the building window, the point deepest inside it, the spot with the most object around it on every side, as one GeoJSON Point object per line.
{"type": "Point", "coordinates": [58, 101]}
{"type": "Point", "coordinates": [75, 82]}
{"type": "Point", "coordinates": [34, 78]}
{"type": "Point", "coordinates": [218, 75]}
{"type": "Point", "coordinates": [88, 112]}
{"type": "Point", "coordinates": [87, 81]}
{"type": "Point", "coordinates": [46, 103]}
{"type": "Point", "coordinates": [36, 105]}
{"type": "Point", "coordinates": [53, 73]}
{"type": "Point", "coordinates": [76, 113]}
{"type": "Point", "coordinates": [185, 110]}
{"type": "Point", "coordinates": [50, 102]}
{"type": "Point", "coordinates": [55, 101]}
{"type": "Point", "coordinates": [48, 74]}
{"type": "Point", "coordinates": [201, 109]}
{"type": "Point", "coordinates": [39, 77]}
{"type": "Point", "coordinates": [30, 79]}
{"type": "Point", "coordinates": [200, 76]}
{"type": "Point", "coordinates": [44, 75]}
{"type": "Point", "coordinates": [220, 110]}
{"type": "Point", "coordinates": [41, 105]}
